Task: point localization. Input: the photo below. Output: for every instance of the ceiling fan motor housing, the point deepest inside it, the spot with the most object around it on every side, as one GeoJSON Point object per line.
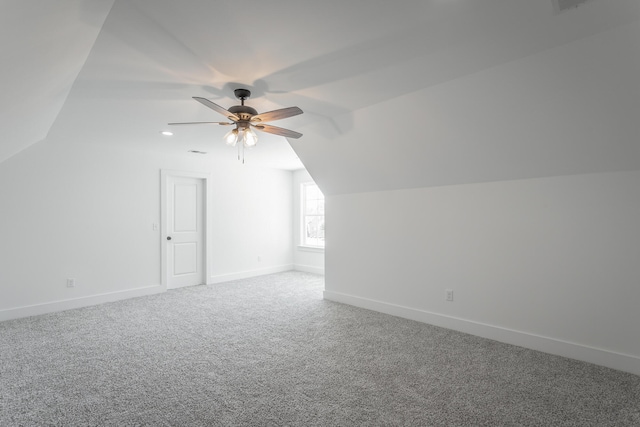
{"type": "Point", "coordinates": [244, 112]}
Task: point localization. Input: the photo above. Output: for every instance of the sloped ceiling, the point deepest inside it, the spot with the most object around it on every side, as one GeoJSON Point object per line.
{"type": "Point", "coordinates": [398, 94]}
{"type": "Point", "coordinates": [44, 46]}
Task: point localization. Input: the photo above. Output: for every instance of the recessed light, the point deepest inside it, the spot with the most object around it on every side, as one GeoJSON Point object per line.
{"type": "Point", "coordinates": [167, 133]}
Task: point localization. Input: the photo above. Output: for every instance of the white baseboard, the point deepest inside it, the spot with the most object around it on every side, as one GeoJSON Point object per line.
{"type": "Point", "coordinates": [249, 273]}
{"type": "Point", "coordinates": [68, 304]}
{"type": "Point", "coordinates": [308, 269]}
{"type": "Point", "coordinates": [610, 359]}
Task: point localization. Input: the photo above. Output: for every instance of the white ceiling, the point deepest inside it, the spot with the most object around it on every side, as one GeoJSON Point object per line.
{"type": "Point", "coordinates": [44, 45]}
{"type": "Point", "coordinates": [397, 94]}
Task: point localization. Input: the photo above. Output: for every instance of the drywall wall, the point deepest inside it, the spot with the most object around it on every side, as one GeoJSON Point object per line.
{"type": "Point", "coordinates": [304, 259]}
{"type": "Point", "coordinates": [83, 210]}
{"type": "Point", "coordinates": [548, 263]}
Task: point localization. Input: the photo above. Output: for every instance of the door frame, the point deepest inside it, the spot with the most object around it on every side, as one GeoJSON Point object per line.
{"type": "Point", "coordinates": [165, 175]}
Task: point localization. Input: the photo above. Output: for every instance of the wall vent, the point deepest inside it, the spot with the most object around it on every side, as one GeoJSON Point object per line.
{"type": "Point", "coordinates": [562, 5]}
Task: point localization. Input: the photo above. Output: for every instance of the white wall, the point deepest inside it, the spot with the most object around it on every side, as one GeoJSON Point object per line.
{"type": "Point", "coordinates": [549, 263]}
{"type": "Point", "coordinates": [83, 210]}
{"type": "Point", "coordinates": [304, 259]}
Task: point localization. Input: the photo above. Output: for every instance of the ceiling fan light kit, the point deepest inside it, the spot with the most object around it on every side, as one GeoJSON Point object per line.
{"type": "Point", "coordinates": [245, 136]}
{"type": "Point", "coordinates": [245, 119]}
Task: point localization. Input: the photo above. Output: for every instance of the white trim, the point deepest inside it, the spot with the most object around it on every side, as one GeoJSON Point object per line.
{"type": "Point", "coordinates": [610, 359]}
{"type": "Point", "coordinates": [69, 304]}
{"type": "Point", "coordinates": [249, 273]}
{"type": "Point", "coordinates": [308, 269]}
{"type": "Point", "coordinates": [317, 249]}
{"type": "Point", "coordinates": [165, 174]}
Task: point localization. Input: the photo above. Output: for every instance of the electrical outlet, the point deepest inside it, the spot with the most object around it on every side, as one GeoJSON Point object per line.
{"type": "Point", "coordinates": [448, 294]}
{"type": "Point", "coordinates": [71, 283]}
{"type": "Point", "coordinates": [259, 258]}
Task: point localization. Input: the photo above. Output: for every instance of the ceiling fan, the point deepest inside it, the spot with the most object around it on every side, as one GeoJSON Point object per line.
{"type": "Point", "coordinates": [246, 118]}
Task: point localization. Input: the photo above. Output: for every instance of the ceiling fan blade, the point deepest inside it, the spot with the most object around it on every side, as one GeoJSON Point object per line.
{"type": "Point", "coordinates": [283, 113]}
{"type": "Point", "coordinates": [278, 131]}
{"type": "Point", "coordinates": [217, 108]}
{"type": "Point", "coordinates": [201, 123]}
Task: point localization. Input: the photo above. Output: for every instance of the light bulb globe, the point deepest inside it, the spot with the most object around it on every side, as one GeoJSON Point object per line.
{"type": "Point", "coordinates": [231, 138]}
{"type": "Point", "coordinates": [250, 138]}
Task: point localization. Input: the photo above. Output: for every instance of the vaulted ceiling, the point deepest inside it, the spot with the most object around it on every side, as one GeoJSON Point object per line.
{"type": "Point", "coordinates": [400, 94]}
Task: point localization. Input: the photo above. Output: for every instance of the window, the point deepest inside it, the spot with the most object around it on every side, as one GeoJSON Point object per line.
{"type": "Point", "coordinates": [312, 216]}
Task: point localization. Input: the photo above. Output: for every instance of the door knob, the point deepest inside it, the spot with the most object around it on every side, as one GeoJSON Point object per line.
{"type": "Point", "coordinates": [168, 237]}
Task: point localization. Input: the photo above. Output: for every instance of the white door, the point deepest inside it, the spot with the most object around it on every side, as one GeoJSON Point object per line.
{"type": "Point", "coordinates": [185, 231]}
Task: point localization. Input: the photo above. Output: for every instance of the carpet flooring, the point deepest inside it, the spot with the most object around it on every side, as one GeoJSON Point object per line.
{"type": "Point", "coordinates": [269, 351]}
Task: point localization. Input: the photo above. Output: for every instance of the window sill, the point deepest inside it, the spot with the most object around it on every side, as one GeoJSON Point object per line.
{"type": "Point", "coordinates": [311, 248]}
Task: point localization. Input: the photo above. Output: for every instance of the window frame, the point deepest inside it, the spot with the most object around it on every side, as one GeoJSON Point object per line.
{"type": "Point", "coordinates": [304, 244]}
